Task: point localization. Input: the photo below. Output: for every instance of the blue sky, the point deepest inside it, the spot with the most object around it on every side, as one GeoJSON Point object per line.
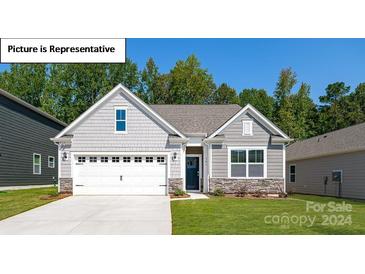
{"type": "Point", "coordinates": [256, 63]}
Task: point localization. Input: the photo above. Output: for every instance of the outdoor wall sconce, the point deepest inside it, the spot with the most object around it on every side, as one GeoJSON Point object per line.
{"type": "Point", "coordinates": [174, 156]}
{"type": "Point", "coordinates": [64, 156]}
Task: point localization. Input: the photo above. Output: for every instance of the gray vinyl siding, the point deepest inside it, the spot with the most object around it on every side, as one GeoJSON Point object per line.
{"type": "Point", "coordinates": [220, 162]}
{"type": "Point", "coordinates": [66, 163]}
{"type": "Point", "coordinates": [275, 161]}
{"type": "Point", "coordinates": [233, 133]}
{"type": "Point", "coordinates": [22, 133]}
{"type": "Point", "coordinates": [310, 175]}
{"type": "Point", "coordinates": [97, 133]}
{"type": "Point", "coordinates": [233, 137]}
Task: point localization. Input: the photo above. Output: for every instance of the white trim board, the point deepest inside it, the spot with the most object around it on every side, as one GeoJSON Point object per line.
{"type": "Point", "coordinates": [257, 115]}
{"type": "Point", "coordinates": [128, 93]}
{"type": "Point", "coordinates": [40, 163]}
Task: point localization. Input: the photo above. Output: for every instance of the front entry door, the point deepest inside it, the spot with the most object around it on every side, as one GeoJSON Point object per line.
{"type": "Point", "coordinates": [192, 173]}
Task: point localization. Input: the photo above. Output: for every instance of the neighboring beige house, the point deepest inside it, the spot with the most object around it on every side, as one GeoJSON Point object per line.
{"type": "Point", "coordinates": [330, 164]}
{"type": "Point", "coordinates": [122, 146]}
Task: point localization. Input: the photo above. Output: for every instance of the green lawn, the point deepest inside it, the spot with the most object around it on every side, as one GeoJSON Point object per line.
{"type": "Point", "coordinates": [13, 202]}
{"type": "Point", "coordinates": [223, 215]}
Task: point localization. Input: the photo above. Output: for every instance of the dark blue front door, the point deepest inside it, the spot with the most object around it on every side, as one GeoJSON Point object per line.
{"type": "Point", "coordinates": [192, 173]}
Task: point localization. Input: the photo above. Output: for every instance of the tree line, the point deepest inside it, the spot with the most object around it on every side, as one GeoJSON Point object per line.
{"type": "Point", "coordinates": [67, 90]}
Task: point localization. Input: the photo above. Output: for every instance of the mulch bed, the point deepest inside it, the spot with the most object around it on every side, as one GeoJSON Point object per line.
{"type": "Point", "coordinates": [173, 196]}
{"type": "Point", "coordinates": [54, 197]}
{"type": "Point", "coordinates": [252, 197]}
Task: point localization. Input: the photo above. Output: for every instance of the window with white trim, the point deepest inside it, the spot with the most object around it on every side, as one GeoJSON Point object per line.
{"type": "Point", "coordinates": [121, 120]}
{"type": "Point", "coordinates": [247, 163]}
{"type": "Point", "coordinates": [292, 173]}
{"type": "Point", "coordinates": [238, 163]}
{"type": "Point", "coordinates": [149, 159]}
{"type": "Point", "coordinates": [138, 159]}
{"type": "Point", "coordinates": [256, 163]}
{"type": "Point", "coordinates": [104, 159]}
{"type": "Point", "coordinates": [37, 164]}
{"type": "Point", "coordinates": [247, 128]}
{"type": "Point", "coordinates": [51, 161]}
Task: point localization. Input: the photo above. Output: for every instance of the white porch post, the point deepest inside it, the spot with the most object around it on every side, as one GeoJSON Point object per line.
{"type": "Point", "coordinates": [183, 165]}
{"type": "Point", "coordinates": [206, 168]}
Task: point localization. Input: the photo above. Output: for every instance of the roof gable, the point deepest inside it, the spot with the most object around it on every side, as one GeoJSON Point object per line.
{"type": "Point", "coordinates": [258, 116]}
{"type": "Point", "coordinates": [130, 96]}
{"type": "Point", "coordinates": [31, 107]}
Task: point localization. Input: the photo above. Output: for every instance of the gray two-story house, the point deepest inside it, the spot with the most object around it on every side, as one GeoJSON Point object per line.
{"type": "Point", "coordinates": [122, 146]}
{"type": "Point", "coordinates": [27, 155]}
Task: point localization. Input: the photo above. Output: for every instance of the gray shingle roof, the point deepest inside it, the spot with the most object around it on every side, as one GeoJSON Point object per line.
{"type": "Point", "coordinates": [31, 107]}
{"type": "Point", "coordinates": [196, 118]}
{"type": "Point", "coordinates": [340, 141]}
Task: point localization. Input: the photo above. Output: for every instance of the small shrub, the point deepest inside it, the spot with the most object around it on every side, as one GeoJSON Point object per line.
{"type": "Point", "coordinates": [218, 192]}
{"type": "Point", "coordinates": [283, 195]}
{"type": "Point", "coordinates": [259, 193]}
{"type": "Point", "coordinates": [242, 191]}
{"type": "Point", "coordinates": [179, 192]}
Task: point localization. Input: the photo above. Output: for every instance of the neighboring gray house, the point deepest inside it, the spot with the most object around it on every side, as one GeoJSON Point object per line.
{"type": "Point", "coordinates": [27, 155]}
{"type": "Point", "coordinates": [123, 146]}
{"type": "Point", "coordinates": [330, 164]}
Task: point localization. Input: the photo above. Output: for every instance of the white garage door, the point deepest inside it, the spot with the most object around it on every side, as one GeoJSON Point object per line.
{"type": "Point", "coordinates": [119, 175]}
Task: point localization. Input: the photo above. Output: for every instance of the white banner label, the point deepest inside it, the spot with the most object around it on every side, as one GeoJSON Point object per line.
{"type": "Point", "coordinates": [70, 50]}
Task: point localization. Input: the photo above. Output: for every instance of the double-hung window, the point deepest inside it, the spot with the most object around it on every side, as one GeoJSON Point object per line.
{"type": "Point", "coordinates": [37, 163]}
{"type": "Point", "coordinates": [238, 163]}
{"type": "Point", "coordinates": [120, 120]}
{"type": "Point", "coordinates": [256, 163]}
{"type": "Point", "coordinates": [292, 173]}
{"type": "Point", "coordinates": [51, 161]}
{"type": "Point", "coordinates": [247, 163]}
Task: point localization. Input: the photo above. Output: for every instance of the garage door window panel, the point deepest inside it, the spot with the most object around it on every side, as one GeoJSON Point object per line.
{"type": "Point", "coordinates": [81, 159]}
{"type": "Point", "coordinates": [126, 159]}
{"type": "Point", "coordinates": [93, 159]}
{"type": "Point", "coordinates": [160, 159]}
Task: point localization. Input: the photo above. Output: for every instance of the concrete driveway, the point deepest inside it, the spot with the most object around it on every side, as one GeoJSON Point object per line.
{"type": "Point", "coordinates": [95, 215]}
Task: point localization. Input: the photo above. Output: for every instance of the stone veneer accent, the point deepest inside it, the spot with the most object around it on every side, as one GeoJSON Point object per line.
{"type": "Point", "coordinates": [270, 186]}
{"type": "Point", "coordinates": [175, 183]}
{"type": "Point", "coordinates": [65, 185]}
